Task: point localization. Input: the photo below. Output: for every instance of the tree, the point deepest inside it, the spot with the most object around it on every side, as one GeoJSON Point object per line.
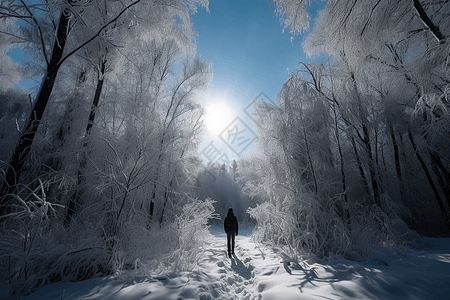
{"type": "Point", "coordinates": [195, 75]}
{"type": "Point", "coordinates": [407, 38]}
{"type": "Point", "coordinates": [344, 132]}
{"type": "Point", "coordinates": [294, 14]}
{"type": "Point", "coordinates": [96, 155]}
{"type": "Point", "coordinates": [73, 21]}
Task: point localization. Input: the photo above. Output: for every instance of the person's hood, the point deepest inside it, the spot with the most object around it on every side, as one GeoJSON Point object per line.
{"type": "Point", "coordinates": [230, 212]}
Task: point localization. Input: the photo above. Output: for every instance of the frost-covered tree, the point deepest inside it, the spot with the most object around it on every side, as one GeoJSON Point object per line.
{"type": "Point", "coordinates": [399, 48]}
{"type": "Point", "coordinates": [176, 109]}
{"type": "Point", "coordinates": [341, 147]}
{"type": "Point", "coordinates": [122, 118]}
{"type": "Point", "coordinates": [294, 14]}
{"type": "Point", "coordinates": [61, 29]}
{"type": "Point", "coordinates": [310, 176]}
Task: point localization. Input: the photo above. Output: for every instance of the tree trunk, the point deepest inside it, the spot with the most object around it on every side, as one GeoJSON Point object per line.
{"type": "Point", "coordinates": [341, 160]}
{"type": "Point", "coordinates": [98, 92]}
{"type": "Point", "coordinates": [442, 174]}
{"type": "Point", "coordinates": [155, 186]}
{"type": "Point", "coordinates": [398, 168]}
{"type": "Point", "coordinates": [373, 179]}
{"type": "Point", "coordinates": [166, 192]}
{"type": "Point", "coordinates": [308, 152]}
{"type": "Point", "coordinates": [367, 145]}
{"type": "Point", "coordinates": [75, 200]}
{"type": "Point", "coordinates": [427, 173]}
{"type": "Point", "coordinates": [25, 141]}
{"type": "Point", "coordinates": [427, 21]}
{"type": "Point", "coordinates": [158, 165]}
{"type": "Point", "coordinates": [360, 166]}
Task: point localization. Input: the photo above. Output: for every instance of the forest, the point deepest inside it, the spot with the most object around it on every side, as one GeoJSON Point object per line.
{"type": "Point", "coordinates": [353, 155]}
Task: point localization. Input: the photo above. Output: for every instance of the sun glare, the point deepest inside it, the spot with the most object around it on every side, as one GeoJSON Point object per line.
{"type": "Point", "coordinates": [219, 115]}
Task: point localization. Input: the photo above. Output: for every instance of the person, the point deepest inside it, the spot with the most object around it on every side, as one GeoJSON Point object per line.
{"type": "Point", "coordinates": [230, 225]}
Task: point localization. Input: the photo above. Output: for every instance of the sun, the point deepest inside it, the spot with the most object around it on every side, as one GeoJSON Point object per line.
{"type": "Point", "coordinates": [219, 114]}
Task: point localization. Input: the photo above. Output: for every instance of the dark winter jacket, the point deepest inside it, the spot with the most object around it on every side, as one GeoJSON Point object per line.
{"type": "Point", "coordinates": [230, 225]}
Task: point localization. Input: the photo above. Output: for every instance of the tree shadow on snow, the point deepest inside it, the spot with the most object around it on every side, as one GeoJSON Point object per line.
{"type": "Point", "coordinates": [293, 268]}
{"type": "Point", "coordinates": [385, 276]}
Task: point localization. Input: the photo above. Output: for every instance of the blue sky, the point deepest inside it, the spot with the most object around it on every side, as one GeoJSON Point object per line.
{"type": "Point", "coordinates": [250, 54]}
{"type": "Point", "coordinates": [245, 43]}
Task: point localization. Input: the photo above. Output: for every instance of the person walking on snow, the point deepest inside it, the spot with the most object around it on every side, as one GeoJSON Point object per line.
{"type": "Point", "coordinates": [230, 225]}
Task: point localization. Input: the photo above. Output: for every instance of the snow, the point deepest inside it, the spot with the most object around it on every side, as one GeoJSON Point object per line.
{"type": "Point", "coordinates": [258, 272]}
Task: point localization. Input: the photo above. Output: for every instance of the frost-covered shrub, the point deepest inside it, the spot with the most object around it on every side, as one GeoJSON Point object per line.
{"type": "Point", "coordinates": [305, 223]}
{"type": "Point", "coordinates": [302, 228]}
{"type": "Point", "coordinates": [305, 227]}
{"type": "Point", "coordinates": [177, 246]}
{"type": "Point", "coordinates": [192, 232]}
{"type": "Point", "coordinates": [35, 250]}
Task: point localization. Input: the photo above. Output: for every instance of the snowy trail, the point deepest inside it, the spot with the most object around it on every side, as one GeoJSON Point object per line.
{"type": "Point", "coordinates": [219, 277]}
{"type": "Point", "coordinates": [260, 273]}
{"type": "Point", "coordinates": [252, 273]}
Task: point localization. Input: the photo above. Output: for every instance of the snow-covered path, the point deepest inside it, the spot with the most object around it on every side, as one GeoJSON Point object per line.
{"type": "Point", "coordinates": [256, 272]}
{"type": "Point", "coordinates": [219, 277]}
{"type": "Point", "coordinates": [260, 273]}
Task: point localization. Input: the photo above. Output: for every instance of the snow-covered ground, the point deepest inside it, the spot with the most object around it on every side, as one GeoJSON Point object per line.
{"type": "Point", "coordinates": [256, 272]}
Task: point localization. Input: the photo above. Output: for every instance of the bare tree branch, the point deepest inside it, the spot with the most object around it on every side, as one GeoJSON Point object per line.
{"type": "Point", "coordinates": [427, 21]}
{"type": "Point", "coordinates": [40, 32]}
{"type": "Point", "coordinates": [370, 15]}
{"type": "Point", "coordinates": [98, 32]}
